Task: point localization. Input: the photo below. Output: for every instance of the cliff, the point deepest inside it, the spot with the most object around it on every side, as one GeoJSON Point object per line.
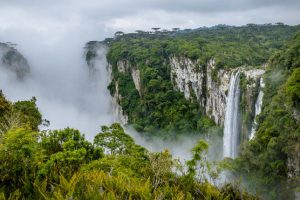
{"type": "Point", "coordinates": [205, 85]}
{"type": "Point", "coordinates": [116, 99]}
{"type": "Point", "coordinates": [181, 79]}
{"type": "Point", "coordinates": [13, 60]}
{"type": "Point", "coordinates": [178, 83]}
{"type": "Point", "coordinates": [210, 85]}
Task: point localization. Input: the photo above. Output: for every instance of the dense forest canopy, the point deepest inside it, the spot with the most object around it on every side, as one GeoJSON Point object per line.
{"type": "Point", "coordinates": [268, 157]}
{"type": "Point", "coordinates": [62, 164]}
{"type": "Point", "coordinates": [231, 46]}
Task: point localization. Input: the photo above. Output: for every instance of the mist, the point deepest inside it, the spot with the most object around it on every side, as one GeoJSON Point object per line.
{"type": "Point", "coordinates": [180, 146]}
{"type": "Point", "coordinates": [68, 96]}
{"type": "Point", "coordinates": [59, 79]}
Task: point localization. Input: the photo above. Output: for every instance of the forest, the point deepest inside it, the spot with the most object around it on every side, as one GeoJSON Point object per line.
{"type": "Point", "coordinates": [62, 164]}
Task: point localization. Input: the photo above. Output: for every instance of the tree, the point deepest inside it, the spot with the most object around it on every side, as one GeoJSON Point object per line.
{"type": "Point", "coordinates": [30, 115]}
{"type": "Point", "coordinates": [293, 87]}
{"type": "Point", "coordinates": [66, 151]}
{"type": "Point", "coordinates": [119, 33]}
{"type": "Point", "coordinates": [140, 31]}
{"type": "Point", "coordinates": [155, 29]}
{"type": "Point", "coordinates": [114, 140]}
{"type": "Point", "coordinates": [20, 157]}
{"type": "Point", "coordinates": [161, 167]}
{"type": "Point", "coordinates": [198, 162]}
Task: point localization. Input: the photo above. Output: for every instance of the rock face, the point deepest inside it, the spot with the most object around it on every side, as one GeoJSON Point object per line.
{"type": "Point", "coordinates": [217, 85]}
{"type": "Point", "coordinates": [210, 86]}
{"type": "Point", "coordinates": [293, 163]}
{"type": "Point", "coordinates": [124, 66]}
{"type": "Point", "coordinates": [187, 77]}
{"type": "Point", "coordinates": [205, 84]}
{"type": "Point", "coordinates": [12, 60]}
{"type": "Point", "coordinates": [117, 109]}
{"type": "Point", "coordinates": [136, 76]}
{"type": "Point", "coordinates": [116, 98]}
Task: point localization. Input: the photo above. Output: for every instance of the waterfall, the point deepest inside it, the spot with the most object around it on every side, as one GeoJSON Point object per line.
{"type": "Point", "coordinates": [231, 124]}
{"type": "Point", "coordinates": [258, 105]}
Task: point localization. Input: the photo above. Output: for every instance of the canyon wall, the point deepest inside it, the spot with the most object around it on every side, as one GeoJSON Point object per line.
{"type": "Point", "coordinates": [210, 85]}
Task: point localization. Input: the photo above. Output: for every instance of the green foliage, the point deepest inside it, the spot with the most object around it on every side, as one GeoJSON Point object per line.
{"type": "Point", "coordinates": [4, 104]}
{"type": "Point", "coordinates": [198, 152]}
{"type": "Point", "coordinates": [293, 88]}
{"type": "Point", "coordinates": [158, 107]}
{"type": "Point", "coordinates": [278, 135]}
{"type": "Point", "coordinates": [61, 164]}
{"type": "Point", "coordinates": [29, 113]}
{"type": "Point", "coordinates": [18, 150]}
{"type": "Point", "coordinates": [230, 46]}
{"type": "Point", "coordinates": [65, 151]}
{"type": "Point", "coordinates": [115, 141]}
{"type": "Point", "coordinates": [21, 113]}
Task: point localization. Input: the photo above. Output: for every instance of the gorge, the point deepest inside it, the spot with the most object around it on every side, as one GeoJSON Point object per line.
{"type": "Point", "coordinates": [188, 85]}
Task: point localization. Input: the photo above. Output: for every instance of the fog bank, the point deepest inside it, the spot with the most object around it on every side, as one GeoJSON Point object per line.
{"type": "Point", "coordinates": [59, 79]}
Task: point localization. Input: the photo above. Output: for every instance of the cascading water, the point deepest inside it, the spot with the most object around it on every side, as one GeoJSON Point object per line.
{"type": "Point", "coordinates": [231, 124]}
{"type": "Point", "coordinates": [258, 105]}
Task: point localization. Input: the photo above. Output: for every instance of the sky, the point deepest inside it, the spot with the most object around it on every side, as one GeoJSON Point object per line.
{"type": "Point", "coordinates": [96, 19]}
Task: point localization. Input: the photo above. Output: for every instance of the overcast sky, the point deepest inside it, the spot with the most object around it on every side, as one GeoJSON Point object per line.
{"type": "Point", "coordinates": [96, 19]}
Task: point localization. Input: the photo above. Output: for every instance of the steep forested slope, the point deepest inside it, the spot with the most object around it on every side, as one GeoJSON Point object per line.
{"type": "Point", "coordinates": [148, 70]}
{"type": "Point", "coordinates": [273, 154]}
{"type": "Point", "coordinates": [153, 97]}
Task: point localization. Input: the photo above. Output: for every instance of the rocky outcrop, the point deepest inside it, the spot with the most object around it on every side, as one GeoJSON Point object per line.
{"type": "Point", "coordinates": [117, 109]}
{"type": "Point", "coordinates": [210, 85]}
{"type": "Point", "coordinates": [116, 98]}
{"type": "Point", "coordinates": [205, 84]}
{"type": "Point", "coordinates": [217, 85]}
{"type": "Point", "coordinates": [136, 76]}
{"type": "Point", "coordinates": [11, 59]}
{"type": "Point", "coordinates": [293, 163]}
{"type": "Point", "coordinates": [124, 66]}
{"type": "Point", "coordinates": [187, 77]}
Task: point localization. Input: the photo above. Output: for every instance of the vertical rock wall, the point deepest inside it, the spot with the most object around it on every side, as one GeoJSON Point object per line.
{"type": "Point", "coordinates": [211, 85]}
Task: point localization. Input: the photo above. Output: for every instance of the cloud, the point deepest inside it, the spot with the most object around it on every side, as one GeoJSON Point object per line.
{"type": "Point", "coordinates": [60, 80]}
{"type": "Point", "coordinates": [168, 20]}
{"type": "Point", "coordinates": [101, 18]}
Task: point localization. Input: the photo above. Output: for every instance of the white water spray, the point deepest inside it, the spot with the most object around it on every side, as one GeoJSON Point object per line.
{"type": "Point", "coordinates": [258, 105]}
{"type": "Point", "coordinates": [231, 124]}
